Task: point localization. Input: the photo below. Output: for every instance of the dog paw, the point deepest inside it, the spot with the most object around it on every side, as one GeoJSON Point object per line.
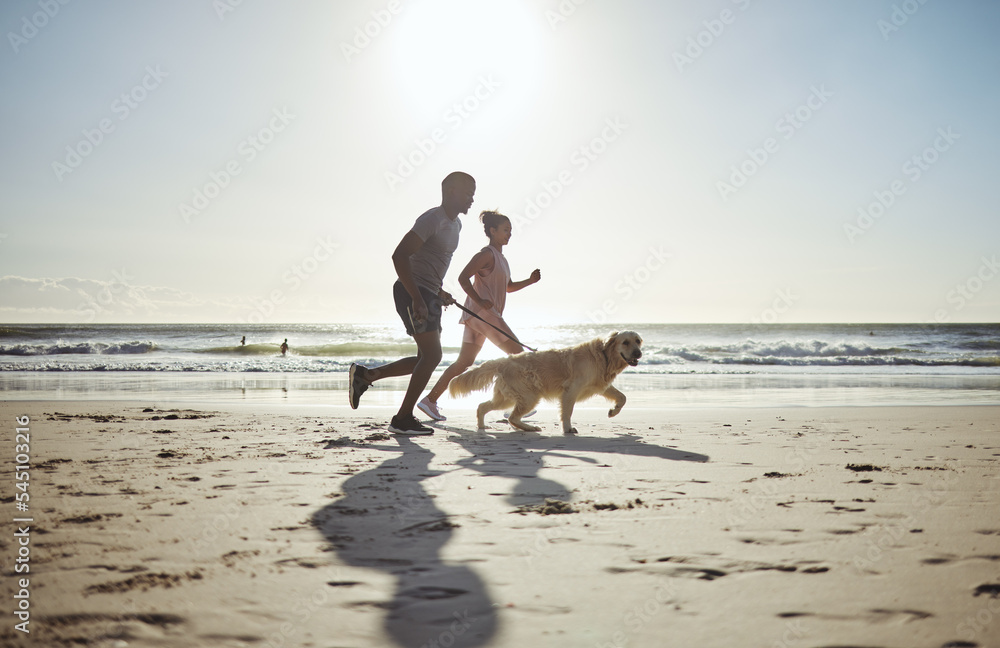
{"type": "Point", "coordinates": [614, 412]}
{"type": "Point", "coordinates": [570, 431]}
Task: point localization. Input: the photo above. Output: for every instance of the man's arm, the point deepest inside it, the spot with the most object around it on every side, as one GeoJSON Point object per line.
{"type": "Point", "coordinates": [401, 262]}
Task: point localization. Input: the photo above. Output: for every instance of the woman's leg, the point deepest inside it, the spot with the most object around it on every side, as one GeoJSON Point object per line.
{"type": "Point", "coordinates": [503, 342]}
{"type": "Point", "coordinates": [510, 347]}
{"type": "Point", "coordinates": [465, 359]}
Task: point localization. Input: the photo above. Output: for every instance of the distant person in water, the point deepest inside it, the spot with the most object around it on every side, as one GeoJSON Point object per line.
{"type": "Point", "coordinates": [486, 298]}
{"type": "Point", "coordinates": [284, 347]}
{"type": "Point", "coordinates": [421, 260]}
{"type": "Point", "coordinates": [243, 342]}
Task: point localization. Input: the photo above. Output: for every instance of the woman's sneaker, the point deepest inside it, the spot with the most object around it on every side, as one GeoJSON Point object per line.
{"type": "Point", "coordinates": [408, 425]}
{"type": "Point", "coordinates": [431, 409]}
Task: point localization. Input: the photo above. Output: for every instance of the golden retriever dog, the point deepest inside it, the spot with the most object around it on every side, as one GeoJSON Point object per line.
{"type": "Point", "coordinates": [569, 375]}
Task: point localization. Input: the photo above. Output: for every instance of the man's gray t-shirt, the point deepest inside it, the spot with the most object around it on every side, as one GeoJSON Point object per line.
{"type": "Point", "coordinates": [440, 236]}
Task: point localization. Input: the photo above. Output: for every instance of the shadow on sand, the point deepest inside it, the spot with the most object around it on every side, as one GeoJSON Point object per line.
{"type": "Point", "coordinates": [521, 455]}
{"type": "Point", "coordinates": [387, 521]}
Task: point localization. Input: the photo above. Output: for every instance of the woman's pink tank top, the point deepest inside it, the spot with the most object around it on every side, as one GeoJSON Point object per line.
{"type": "Point", "coordinates": [492, 285]}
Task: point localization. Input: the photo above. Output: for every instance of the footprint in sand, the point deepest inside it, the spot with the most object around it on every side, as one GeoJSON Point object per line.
{"type": "Point", "coordinates": [878, 615]}
{"type": "Point", "coordinates": [97, 517]}
{"type": "Point", "coordinates": [431, 593]}
{"type": "Point", "coordinates": [55, 628]}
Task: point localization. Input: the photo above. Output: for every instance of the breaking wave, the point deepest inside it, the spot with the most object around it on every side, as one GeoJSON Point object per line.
{"type": "Point", "coordinates": [78, 348]}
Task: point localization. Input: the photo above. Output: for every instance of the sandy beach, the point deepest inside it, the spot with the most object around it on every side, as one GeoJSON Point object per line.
{"type": "Point", "coordinates": [222, 526]}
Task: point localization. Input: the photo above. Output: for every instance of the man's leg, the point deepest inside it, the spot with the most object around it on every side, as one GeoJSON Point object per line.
{"type": "Point", "coordinates": [428, 358]}
{"type": "Point", "coordinates": [402, 367]}
{"type": "Point", "coordinates": [360, 378]}
{"type": "Point", "coordinates": [428, 350]}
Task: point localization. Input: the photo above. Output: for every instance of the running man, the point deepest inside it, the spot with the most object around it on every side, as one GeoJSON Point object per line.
{"type": "Point", "coordinates": [421, 260]}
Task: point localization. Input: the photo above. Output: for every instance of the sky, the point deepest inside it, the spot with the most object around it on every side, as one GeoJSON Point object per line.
{"type": "Point", "coordinates": [685, 161]}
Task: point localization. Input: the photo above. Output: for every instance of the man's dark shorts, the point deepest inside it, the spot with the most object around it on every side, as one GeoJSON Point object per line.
{"type": "Point", "coordinates": [404, 301]}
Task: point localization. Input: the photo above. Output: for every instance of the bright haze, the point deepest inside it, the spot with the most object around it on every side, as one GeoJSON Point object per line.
{"type": "Point", "coordinates": [724, 161]}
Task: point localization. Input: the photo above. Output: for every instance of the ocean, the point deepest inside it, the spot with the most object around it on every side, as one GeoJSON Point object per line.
{"type": "Point", "coordinates": [699, 365]}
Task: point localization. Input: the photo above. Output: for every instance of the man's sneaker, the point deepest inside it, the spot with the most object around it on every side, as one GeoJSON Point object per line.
{"type": "Point", "coordinates": [408, 425]}
{"type": "Point", "coordinates": [356, 384]}
{"type": "Point", "coordinates": [431, 410]}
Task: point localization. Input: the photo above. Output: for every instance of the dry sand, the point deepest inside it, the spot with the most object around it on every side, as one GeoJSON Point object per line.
{"type": "Point", "coordinates": [219, 526]}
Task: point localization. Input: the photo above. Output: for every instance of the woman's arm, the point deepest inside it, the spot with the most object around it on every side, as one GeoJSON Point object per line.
{"type": "Point", "coordinates": [514, 286]}
{"type": "Point", "coordinates": [483, 261]}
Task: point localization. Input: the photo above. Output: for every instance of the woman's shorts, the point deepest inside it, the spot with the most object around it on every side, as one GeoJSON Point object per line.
{"type": "Point", "coordinates": [477, 332]}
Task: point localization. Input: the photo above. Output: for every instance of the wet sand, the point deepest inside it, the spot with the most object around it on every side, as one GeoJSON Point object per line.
{"type": "Point", "coordinates": [221, 526]}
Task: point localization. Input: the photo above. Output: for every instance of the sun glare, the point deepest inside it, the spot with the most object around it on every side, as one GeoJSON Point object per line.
{"type": "Point", "coordinates": [447, 50]}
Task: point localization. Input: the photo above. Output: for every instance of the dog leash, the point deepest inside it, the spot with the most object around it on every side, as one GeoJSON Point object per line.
{"type": "Point", "coordinates": [463, 308]}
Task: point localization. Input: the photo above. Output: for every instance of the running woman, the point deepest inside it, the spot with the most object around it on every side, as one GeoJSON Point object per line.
{"type": "Point", "coordinates": [487, 296]}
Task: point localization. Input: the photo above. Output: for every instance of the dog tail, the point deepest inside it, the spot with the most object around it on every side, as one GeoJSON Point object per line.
{"type": "Point", "coordinates": [476, 380]}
